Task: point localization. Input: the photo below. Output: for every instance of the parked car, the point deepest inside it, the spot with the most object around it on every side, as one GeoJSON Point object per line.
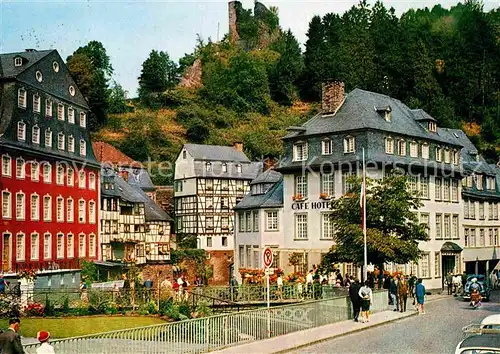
{"type": "Point", "coordinates": [491, 322]}
{"type": "Point", "coordinates": [479, 279]}
{"type": "Point", "coordinates": [479, 343]}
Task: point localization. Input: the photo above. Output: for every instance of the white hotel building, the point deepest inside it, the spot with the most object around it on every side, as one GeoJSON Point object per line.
{"type": "Point", "coordinates": [291, 215]}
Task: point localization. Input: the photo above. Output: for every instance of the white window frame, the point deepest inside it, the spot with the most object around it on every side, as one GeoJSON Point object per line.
{"type": "Point", "coordinates": [301, 226]}
{"type": "Point", "coordinates": [327, 226]}
{"type": "Point", "coordinates": [47, 172]}
{"type": "Point", "coordinates": [21, 98]}
{"type": "Point", "coordinates": [18, 61]}
{"type": "Point", "coordinates": [424, 272]}
{"type": "Point", "coordinates": [83, 119]}
{"type": "Point", "coordinates": [92, 245]}
{"type": "Point", "coordinates": [272, 220]}
{"type": "Point", "coordinates": [35, 246]}
{"type": "Point", "coordinates": [6, 166]}
{"type": "Point", "coordinates": [81, 179]}
{"type": "Point", "coordinates": [60, 245]}
{"type": "Point", "coordinates": [92, 212]}
{"type": "Point", "coordinates": [456, 157]}
{"type": "Point", "coordinates": [48, 137]}
{"type": "Point", "coordinates": [6, 204]}
{"type": "Point", "coordinates": [35, 171]}
{"type": "Point", "coordinates": [238, 168]}
{"type": "Point", "coordinates": [70, 176]}
{"type": "Point", "coordinates": [425, 151]}
{"type": "Point", "coordinates": [82, 211]}
{"type": "Point", "coordinates": [326, 147]}
{"type": "Point", "coordinates": [413, 149]}
{"type": "Point", "coordinates": [37, 105]}
{"type": "Point", "coordinates": [389, 145]}
{"type": "Point", "coordinates": [447, 155]}
{"type": "Point", "coordinates": [70, 245]}
{"type": "Point", "coordinates": [47, 246]}
{"type": "Point", "coordinates": [401, 145]}
{"type": "Point", "coordinates": [61, 141]}
{"type": "Point", "coordinates": [35, 207]}
{"type": "Point", "coordinates": [20, 206]}
{"type": "Point", "coordinates": [300, 151]}
{"type": "Point", "coordinates": [328, 184]}
{"type": "Point", "coordinates": [83, 147]}
{"type": "Point", "coordinates": [35, 134]}
{"type": "Point", "coordinates": [60, 210]}
{"type": "Point", "coordinates": [92, 181]}
{"type": "Point", "coordinates": [71, 143]}
{"type": "Point", "coordinates": [439, 153]}
{"type": "Point", "coordinates": [70, 210]}
{"type": "Point", "coordinates": [21, 131]}
{"type": "Point", "coordinates": [47, 208]}
{"type": "Point", "coordinates": [71, 115]}
{"type": "Point", "coordinates": [20, 168]}
{"type": "Point", "coordinates": [48, 108]}
{"type": "Point", "coordinates": [60, 111]}
{"type": "Point", "coordinates": [59, 174]}
{"type": "Point", "coordinates": [301, 185]}
{"type": "Point", "coordinates": [20, 246]}
{"type": "Point", "coordinates": [349, 144]}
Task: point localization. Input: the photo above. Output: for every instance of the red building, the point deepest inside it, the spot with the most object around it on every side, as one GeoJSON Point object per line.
{"type": "Point", "coordinates": [49, 178]}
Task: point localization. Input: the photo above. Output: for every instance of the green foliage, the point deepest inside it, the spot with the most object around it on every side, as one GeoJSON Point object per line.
{"type": "Point", "coordinates": [91, 67]}
{"type": "Point", "coordinates": [393, 230]}
{"type": "Point", "coordinates": [247, 25]}
{"type": "Point", "coordinates": [49, 309]}
{"type": "Point", "coordinates": [117, 103]}
{"type": "Point", "coordinates": [89, 271]}
{"type": "Point", "coordinates": [158, 74]}
{"type": "Point", "coordinates": [179, 255]}
{"type": "Point", "coordinates": [65, 307]}
{"type": "Point", "coordinates": [198, 132]}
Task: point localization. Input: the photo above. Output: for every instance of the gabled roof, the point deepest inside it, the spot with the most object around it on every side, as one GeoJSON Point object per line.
{"type": "Point", "coordinates": [421, 115]}
{"type": "Point", "coordinates": [7, 68]}
{"type": "Point", "coordinates": [215, 153]}
{"type": "Point", "coordinates": [273, 198]}
{"type": "Point", "coordinates": [268, 176]}
{"type": "Point", "coordinates": [121, 188]}
{"type": "Point", "coordinates": [152, 211]}
{"type": "Point", "coordinates": [249, 170]}
{"type": "Point", "coordinates": [107, 154]}
{"type": "Point", "coordinates": [472, 161]}
{"type": "Point", "coordinates": [359, 112]}
{"type": "Point", "coordinates": [139, 177]}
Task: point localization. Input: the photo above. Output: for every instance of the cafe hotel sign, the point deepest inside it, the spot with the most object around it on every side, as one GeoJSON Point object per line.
{"type": "Point", "coordinates": [317, 205]}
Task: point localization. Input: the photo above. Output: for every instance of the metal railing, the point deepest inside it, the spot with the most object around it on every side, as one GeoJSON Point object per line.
{"type": "Point", "coordinates": [215, 332]}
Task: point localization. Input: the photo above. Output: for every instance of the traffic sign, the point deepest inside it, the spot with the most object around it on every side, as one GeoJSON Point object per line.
{"type": "Point", "coordinates": [269, 271]}
{"type": "Point", "coordinates": [267, 257]}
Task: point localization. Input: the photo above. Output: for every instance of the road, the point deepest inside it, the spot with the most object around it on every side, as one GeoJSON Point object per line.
{"type": "Point", "coordinates": [437, 331]}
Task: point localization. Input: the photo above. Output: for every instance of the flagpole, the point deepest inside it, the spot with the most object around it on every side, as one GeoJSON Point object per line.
{"type": "Point", "coordinates": [365, 268]}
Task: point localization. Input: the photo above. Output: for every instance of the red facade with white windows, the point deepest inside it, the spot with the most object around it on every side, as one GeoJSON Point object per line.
{"type": "Point", "coordinates": [49, 178]}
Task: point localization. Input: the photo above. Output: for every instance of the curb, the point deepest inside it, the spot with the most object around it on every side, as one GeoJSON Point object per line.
{"type": "Point", "coordinates": [333, 336]}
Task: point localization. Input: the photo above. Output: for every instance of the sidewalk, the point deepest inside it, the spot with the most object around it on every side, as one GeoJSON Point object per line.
{"type": "Point", "coordinates": [295, 340]}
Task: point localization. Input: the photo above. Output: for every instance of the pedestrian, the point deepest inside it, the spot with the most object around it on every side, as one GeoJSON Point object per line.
{"type": "Point", "coordinates": [279, 282]}
{"type": "Point", "coordinates": [366, 295]}
{"type": "Point", "coordinates": [493, 279]}
{"type": "Point", "coordinates": [309, 282]}
{"type": "Point", "coordinates": [10, 340]}
{"type": "Point", "coordinates": [83, 291]}
{"type": "Point", "coordinates": [387, 285]}
{"type": "Point", "coordinates": [393, 290]}
{"type": "Point", "coordinates": [234, 288]}
{"type": "Point", "coordinates": [402, 293]}
{"type": "Point", "coordinates": [411, 285]}
{"type": "Point", "coordinates": [449, 283]}
{"type": "Point", "coordinates": [475, 299]}
{"type": "Point", "coordinates": [43, 337]}
{"type": "Point", "coordinates": [457, 284]}
{"type": "Point", "coordinates": [355, 299]}
{"type": "Point", "coordinates": [3, 285]}
{"type": "Point", "coordinates": [420, 296]}
{"type": "Point", "coordinates": [464, 281]}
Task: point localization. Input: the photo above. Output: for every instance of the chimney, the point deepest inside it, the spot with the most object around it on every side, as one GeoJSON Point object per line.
{"type": "Point", "coordinates": [238, 146]}
{"type": "Point", "coordinates": [269, 163]}
{"type": "Point", "coordinates": [332, 96]}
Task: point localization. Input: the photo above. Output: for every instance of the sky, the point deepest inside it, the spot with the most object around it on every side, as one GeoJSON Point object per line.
{"type": "Point", "coordinates": [129, 30]}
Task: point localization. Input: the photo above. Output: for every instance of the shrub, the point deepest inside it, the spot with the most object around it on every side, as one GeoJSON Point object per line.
{"type": "Point", "coordinates": [65, 307]}
{"type": "Point", "coordinates": [49, 307]}
{"type": "Point", "coordinates": [34, 309]}
{"type": "Point", "coordinates": [10, 306]}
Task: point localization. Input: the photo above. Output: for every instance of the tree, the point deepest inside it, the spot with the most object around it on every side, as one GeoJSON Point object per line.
{"type": "Point", "coordinates": [158, 74]}
{"type": "Point", "coordinates": [91, 68]}
{"type": "Point", "coordinates": [314, 60]}
{"type": "Point", "coordinates": [393, 230]}
{"type": "Point", "coordinates": [284, 73]}
{"type": "Point", "coordinates": [117, 103]}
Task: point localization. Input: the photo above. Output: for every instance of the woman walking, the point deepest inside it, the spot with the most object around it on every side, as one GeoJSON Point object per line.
{"type": "Point", "coordinates": [365, 293]}
{"type": "Point", "coordinates": [420, 295]}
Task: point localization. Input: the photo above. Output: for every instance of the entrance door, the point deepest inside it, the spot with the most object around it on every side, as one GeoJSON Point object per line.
{"type": "Point", "coordinates": [448, 266]}
{"type": "Point", "coordinates": [6, 259]}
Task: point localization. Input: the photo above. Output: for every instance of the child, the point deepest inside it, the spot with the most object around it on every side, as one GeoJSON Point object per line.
{"type": "Point", "coordinates": [475, 298]}
{"type": "Point", "coordinates": [45, 348]}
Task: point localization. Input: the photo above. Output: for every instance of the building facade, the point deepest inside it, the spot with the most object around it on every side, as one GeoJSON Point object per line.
{"type": "Point", "coordinates": [209, 181]}
{"type": "Point", "coordinates": [323, 153]}
{"type": "Point", "coordinates": [49, 175]}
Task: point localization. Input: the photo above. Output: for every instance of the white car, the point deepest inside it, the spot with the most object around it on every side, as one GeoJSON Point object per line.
{"type": "Point", "coordinates": [479, 344]}
{"type": "Point", "coordinates": [491, 322]}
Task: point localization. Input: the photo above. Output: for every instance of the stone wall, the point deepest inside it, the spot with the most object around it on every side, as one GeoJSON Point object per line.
{"type": "Point", "coordinates": [332, 96]}
{"type": "Point", "coordinates": [233, 30]}
{"type": "Point", "coordinates": [220, 261]}
{"type": "Point", "coordinates": [192, 75]}
{"type": "Point", "coordinates": [157, 273]}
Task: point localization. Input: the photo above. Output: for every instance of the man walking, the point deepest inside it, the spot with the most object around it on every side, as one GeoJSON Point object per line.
{"type": "Point", "coordinates": [10, 340]}
{"type": "Point", "coordinates": [355, 299]}
{"type": "Point", "coordinates": [402, 293]}
{"type": "Point", "coordinates": [393, 290]}
{"type": "Point", "coordinates": [449, 283]}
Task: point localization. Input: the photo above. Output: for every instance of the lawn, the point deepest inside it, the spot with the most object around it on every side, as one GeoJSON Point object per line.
{"type": "Point", "coordinates": [64, 327]}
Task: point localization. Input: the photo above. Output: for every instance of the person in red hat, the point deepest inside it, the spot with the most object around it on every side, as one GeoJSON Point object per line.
{"type": "Point", "coordinates": [45, 348]}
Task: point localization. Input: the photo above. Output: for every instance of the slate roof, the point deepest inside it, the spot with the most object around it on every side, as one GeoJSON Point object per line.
{"type": "Point", "coordinates": [121, 188]}
{"type": "Point", "coordinates": [421, 115]}
{"type": "Point", "coordinates": [139, 177]}
{"type": "Point", "coordinates": [215, 153]}
{"type": "Point", "coordinates": [359, 112]}
{"type": "Point", "coordinates": [273, 198]}
{"type": "Point", "coordinates": [249, 170]}
{"type": "Point", "coordinates": [268, 176]}
{"type": "Point", "coordinates": [107, 153]}
{"type": "Point", "coordinates": [7, 68]}
{"type": "Point", "coordinates": [471, 160]}
{"type": "Point", "coordinates": [152, 211]}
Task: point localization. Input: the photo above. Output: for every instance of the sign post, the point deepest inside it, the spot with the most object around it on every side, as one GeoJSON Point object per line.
{"type": "Point", "coordinates": [268, 260]}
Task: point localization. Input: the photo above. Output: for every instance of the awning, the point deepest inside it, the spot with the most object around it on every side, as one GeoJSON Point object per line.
{"type": "Point", "coordinates": [108, 264]}
{"type": "Point", "coordinates": [451, 247]}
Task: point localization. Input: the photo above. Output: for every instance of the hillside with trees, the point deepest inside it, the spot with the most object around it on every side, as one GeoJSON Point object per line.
{"type": "Point", "coordinates": [257, 80]}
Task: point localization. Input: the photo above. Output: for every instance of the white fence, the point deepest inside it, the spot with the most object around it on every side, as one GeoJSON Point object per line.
{"type": "Point", "coordinates": [215, 332]}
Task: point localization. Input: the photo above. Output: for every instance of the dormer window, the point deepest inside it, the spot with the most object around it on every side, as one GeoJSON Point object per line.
{"type": "Point", "coordinates": [55, 66]}
{"type": "Point", "coordinates": [432, 127]}
{"type": "Point", "coordinates": [300, 152]}
{"type": "Point", "coordinates": [326, 147]}
{"type": "Point", "coordinates": [238, 168]}
{"type": "Point", "coordinates": [385, 111]}
{"type": "Point", "coordinates": [21, 131]}
{"type": "Point", "coordinates": [389, 145]}
{"type": "Point", "coordinates": [18, 61]}
{"type": "Point", "coordinates": [224, 167]}
{"type": "Point", "coordinates": [208, 167]}
{"type": "Point", "coordinates": [387, 116]}
{"type": "Point", "coordinates": [184, 154]}
{"type": "Point", "coordinates": [349, 144]}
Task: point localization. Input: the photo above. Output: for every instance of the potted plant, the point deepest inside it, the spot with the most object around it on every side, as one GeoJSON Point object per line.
{"type": "Point", "coordinates": [324, 196]}
{"type": "Point", "coordinates": [27, 276]}
{"type": "Point", "coordinates": [298, 197]}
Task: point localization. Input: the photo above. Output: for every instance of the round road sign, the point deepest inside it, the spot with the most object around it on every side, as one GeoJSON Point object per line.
{"type": "Point", "coordinates": [267, 257]}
